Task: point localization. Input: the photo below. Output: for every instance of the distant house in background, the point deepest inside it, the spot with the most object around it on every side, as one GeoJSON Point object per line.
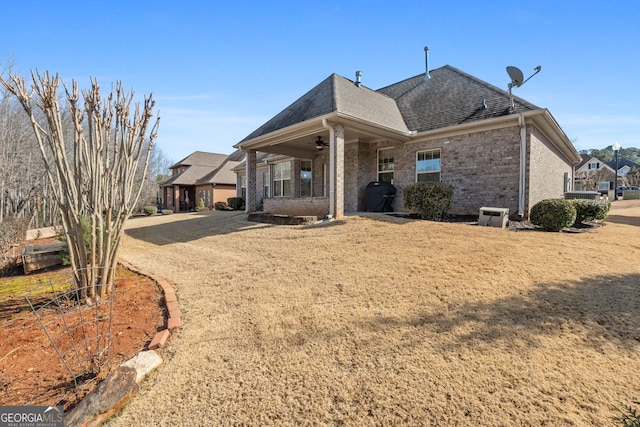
{"type": "Point", "coordinates": [594, 174]}
{"type": "Point", "coordinates": [441, 126]}
{"type": "Point", "coordinates": [201, 175]}
{"type": "Point", "coordinates": [591, 172]}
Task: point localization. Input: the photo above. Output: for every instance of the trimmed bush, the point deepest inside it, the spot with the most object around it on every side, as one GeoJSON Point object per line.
{"type": "Point", "coordinates": [553, 214]}
{"type": "Point", "coordinates": [235, 203]}
{"type": "Point", "coordinates": [221, 206]}
{"type": "Point", "coordinates": [166, 212]}
{"type": "Point", "coordinates": [149, 210]}
{"type": "Point", "coordinates": [200, 205]}
{"type": "Point", "coordinates": [432, 200]}
{"type": "Point", "coordinates": [588, 210]}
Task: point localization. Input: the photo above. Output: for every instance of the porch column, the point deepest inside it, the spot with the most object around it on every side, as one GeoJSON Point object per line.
{"type": "Point", "coordinates": [251, 202]}
{"type": "Point", "coordinates": [176, 199]}
{"type": "Point", "coordinates": [336, 171]}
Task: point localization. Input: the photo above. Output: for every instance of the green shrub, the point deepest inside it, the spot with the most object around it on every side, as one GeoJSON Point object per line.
{"type": "Point", "coordinates": [166, 211]}
{"type": "Point", "coordinates": [235, 203]}
{"type": "Point", "coordinates": [588, 210]}
{"type": "Point", "coordinates": [221, 206]}
{"type": "Point", "coordinates": [628, 417]}
{"type": "Point", "coordinates": [85, 221]}
{"type": "Point", "coordinates": [432, 200]}
{"type": "Point", "coordinates": [553, 214]}
{"type": "Point", "coordinates": [200, 205]}
{"type": "Point", "coordinates": [150, 210]}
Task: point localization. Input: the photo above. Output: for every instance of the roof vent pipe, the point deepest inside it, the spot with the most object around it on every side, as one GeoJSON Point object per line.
{"type": "Point", "coordinates": [426, 59]}
{"type": "Point", "coordinates": [358, 78]}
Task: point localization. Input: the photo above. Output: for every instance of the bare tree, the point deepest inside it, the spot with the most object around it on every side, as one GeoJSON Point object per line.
{"type": "Point", "coordinates": [96, 178]}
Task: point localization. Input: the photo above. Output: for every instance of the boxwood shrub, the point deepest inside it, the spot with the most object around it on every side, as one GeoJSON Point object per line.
{"type": "Point", "coordinates": [235, 203]}
{"type": "Point", "coordinates": [589, 210]}
{"type": "Point", "coordinates": [553, 214]}
{"type": "Point", "coordinates": [432, 200]}
{"type": "Point", "coordinates": [150, 210]}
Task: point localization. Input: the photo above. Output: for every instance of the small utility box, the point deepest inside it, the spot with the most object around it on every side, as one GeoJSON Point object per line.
{"type": "Point", "coordinates": [494, 217]}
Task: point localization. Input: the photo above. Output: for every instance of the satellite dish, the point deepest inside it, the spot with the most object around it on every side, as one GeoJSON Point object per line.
{"type": "Point", "coordinates": [516, 75]}
{"type": "Point", "coordinates": [517, 80]}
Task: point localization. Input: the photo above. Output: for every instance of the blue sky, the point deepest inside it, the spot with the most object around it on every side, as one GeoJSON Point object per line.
{"type": "Point", "coordinates": [218, 70]}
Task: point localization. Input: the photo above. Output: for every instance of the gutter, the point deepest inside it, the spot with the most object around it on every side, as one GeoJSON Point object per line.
{"type": "Point", "coordinates": [523, 165]}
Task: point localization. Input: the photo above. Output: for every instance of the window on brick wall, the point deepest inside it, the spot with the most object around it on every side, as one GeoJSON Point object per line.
{"type": "Point", "coordinates": [204, 195]}
{"type": "Point", "coordinates": [243, 187]}
{"type": "Point", "coordinates": [428, 166]}
{"type": "Point", "coordinates": [385, 164]}
{"type": "Point", "coordinates": [305, 178]}
{"type": "Point", "coordinates": [282, 179]}
{"type": "Point", "coordinates": [267, 185]}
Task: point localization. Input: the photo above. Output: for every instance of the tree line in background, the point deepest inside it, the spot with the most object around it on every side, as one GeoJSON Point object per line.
{"type": "Point", "coordinates": [606, 154]}
{"type": "Point", "coordinates": [26, 194]}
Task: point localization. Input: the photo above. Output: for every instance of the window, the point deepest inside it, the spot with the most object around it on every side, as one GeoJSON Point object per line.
{"type": "Point", "coordinates": [265, 180]}
{"type": "Point", "coordinates": [282, 179]}
{"type": "Point", "coordinates": [385, 165]}
{"type": "Point", "coordinates": [428, 166]}
{"type": "Point", "coordinates": [243, 187]}
{"type": "Point", "coordinates": [204, 195]}
{"type": "Point", "coordinates": [305, 178]}
{"type": "Point", "coordinates": [594, 165]}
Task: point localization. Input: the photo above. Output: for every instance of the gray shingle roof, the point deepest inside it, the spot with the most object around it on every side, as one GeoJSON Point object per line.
{"type": "Point", "coordinates": [206, 168]}
{"type": "Point", "coordinates": [336, 94]}
{"type": "Point", "coordinates": [449, 97]}
{"type": "Point", "coordinates": [201, 158]}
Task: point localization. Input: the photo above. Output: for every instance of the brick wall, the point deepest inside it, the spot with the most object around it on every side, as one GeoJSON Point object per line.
{"type": "Point", "coordinates": [547, 169]}
{"type": "Point", "coordinates": [304, 206]}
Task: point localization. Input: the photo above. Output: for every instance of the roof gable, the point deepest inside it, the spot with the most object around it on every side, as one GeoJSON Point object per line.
{"type": "Point", "coordinates": [341, 95]}
{"type": "Point", "coordinates": [201, 158]}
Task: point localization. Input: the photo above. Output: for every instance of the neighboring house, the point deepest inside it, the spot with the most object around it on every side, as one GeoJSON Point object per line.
{"type": "Point", "coordinates": [624, 166]}
{"type": "Point", "coordinates": [443, 126]}
{"type": "Point", "coordinates": [592, 173]}
{"type": "Point", "coordinates": [206, 176]}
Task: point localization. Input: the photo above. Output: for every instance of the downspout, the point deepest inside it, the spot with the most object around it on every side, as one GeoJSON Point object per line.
{"type": "Point", "coordinates": [523, 165]}
{"type": "Point", "coordinates": [332, 169]}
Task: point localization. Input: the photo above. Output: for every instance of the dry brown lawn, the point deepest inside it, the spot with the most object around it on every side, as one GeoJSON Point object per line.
{"type": "Point", "coordinates": [378, 320]}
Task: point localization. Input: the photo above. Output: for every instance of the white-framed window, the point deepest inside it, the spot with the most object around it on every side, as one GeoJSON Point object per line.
{"type": "Point", "coordinates": [428, 166]}
{"type": "Point", "coordinates": [282, 179]}
{"type": "Point", "coordinates": [267, 185]}
{"type": "Point", "coordinates": [305, 178]}
{"type": "Point", "coordinates": [595, 165]}
{"type": "Point", "coordinates": [385, 164]}
{"type": "Point", "coordinates": [243, 187]}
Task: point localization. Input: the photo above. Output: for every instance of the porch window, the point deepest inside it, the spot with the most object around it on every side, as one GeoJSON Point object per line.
{"type": "Point", "coordinates": [243, 187]}
{"type": "Point", "coordinates": [204, 195]}
{"type": "Point", "coordinates": [282, 179]}
{"type": "Point", "coordinates": [385, 165]}
{"type": "Point", "coordinates": [267, 185]}
{"type": "Point", "coordinates": [428, 166]}
{"type": "Point", "coordinates": [305, 178]}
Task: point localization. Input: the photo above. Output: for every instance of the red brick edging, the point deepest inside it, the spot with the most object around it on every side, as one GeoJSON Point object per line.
{"type": "Point", "coordinates": [171, 302]}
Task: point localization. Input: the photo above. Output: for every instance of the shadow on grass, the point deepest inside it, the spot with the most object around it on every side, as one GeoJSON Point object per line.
{"type": "Point", "coordinates": [192, 226]}
{"type": "Point", "coordinates": [598, 310]}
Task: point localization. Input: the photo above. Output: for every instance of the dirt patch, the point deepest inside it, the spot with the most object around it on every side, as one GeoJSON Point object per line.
{"type": "Point", "coordinates": [31, 372]}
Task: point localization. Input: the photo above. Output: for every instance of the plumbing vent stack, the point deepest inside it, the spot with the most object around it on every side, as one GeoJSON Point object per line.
{"type": "Point", "coordinates": [426, 59]}
{"type": "Point", "coordinates": [358, 78]}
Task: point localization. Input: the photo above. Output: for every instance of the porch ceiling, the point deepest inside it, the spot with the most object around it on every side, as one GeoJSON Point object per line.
{"type": "Point", "coordinates": [301, 141]}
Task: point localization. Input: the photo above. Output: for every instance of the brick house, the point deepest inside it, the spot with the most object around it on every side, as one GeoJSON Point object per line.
{"type": "Point", "coordinates": [200, 175]}
{"type": "Point", "coordinates": [318, 155]}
